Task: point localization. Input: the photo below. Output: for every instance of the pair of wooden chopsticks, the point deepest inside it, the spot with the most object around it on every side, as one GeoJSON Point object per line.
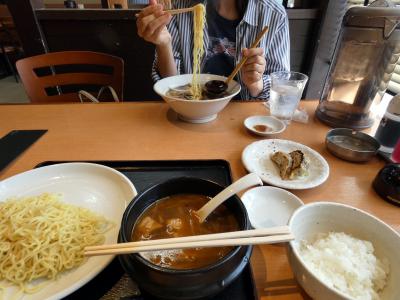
{"type": "Point", "coordinates": [235, 238]}
{"type": "Point", "coordinates": [177, 11]}
{"type": "Point", "coordinates": [244, 59]}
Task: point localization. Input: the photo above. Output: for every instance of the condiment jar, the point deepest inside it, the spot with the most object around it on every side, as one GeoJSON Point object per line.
{"type": "Point", "coordinates": [388, 132]}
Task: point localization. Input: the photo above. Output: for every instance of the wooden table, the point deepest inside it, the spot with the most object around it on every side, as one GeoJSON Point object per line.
{"type": "Point", "coordinates": [150, 131]}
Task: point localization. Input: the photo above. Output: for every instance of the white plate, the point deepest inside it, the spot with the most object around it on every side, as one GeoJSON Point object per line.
{"type": "Point", "coordinates": [269, 206]}
{"type": "Point", "coordinates": [101, 189]}
{"type": "Point", "coordinates": [274, 125]}
{"type": "Point", "coordinates": [256, 158]}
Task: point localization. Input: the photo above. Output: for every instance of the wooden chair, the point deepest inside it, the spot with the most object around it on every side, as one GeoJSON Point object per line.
{"type": "Point", "coordinates": [57, 77]}
{"type": "Point", "coordinates": [118, 4]}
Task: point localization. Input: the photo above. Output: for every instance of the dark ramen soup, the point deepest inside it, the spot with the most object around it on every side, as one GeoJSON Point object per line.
{"type": "Point", "coordinates": [183, 92]}
{"type": "Point", "coordinates": [174, 217]}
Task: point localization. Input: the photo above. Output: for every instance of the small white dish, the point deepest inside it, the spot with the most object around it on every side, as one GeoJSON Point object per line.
{"type": "Point", "coordinates": [256, 158]}
{"type": "Point", "coordinates": [264, 125]}
{"type": "Point", "coordinates": [269, 206]}
{"type": "Point", "coordinates": [101, 189]}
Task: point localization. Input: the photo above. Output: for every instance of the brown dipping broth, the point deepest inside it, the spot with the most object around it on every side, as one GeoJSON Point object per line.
{"type": "Point", "coordinates": [174, 216]}
{"type": "Point", "coordinates": [261, 128]}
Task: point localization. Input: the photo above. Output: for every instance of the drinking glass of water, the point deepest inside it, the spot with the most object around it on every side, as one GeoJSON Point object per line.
{"type": "Point", "coordinates": [286, 90]}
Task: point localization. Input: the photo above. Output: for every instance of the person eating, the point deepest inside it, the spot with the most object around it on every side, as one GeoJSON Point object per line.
{"type": "Point", "coordinates": [231, 27]}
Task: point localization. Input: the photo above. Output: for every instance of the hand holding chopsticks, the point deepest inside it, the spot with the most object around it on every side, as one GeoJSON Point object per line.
{"type": "Point", "coordinates": [244, 59]}
{"type": "Point", "coordinates": [235, 238]}
{"type": "Point", "coordinates": [152, 21]}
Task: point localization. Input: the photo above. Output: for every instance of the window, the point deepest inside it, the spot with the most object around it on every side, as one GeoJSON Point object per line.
{"type": "Point", "coordinates": [362, 2]}
{"type": "Point", "coordinates": [351, 3]}
{"type": "Point", "coordinates": [394, 83]}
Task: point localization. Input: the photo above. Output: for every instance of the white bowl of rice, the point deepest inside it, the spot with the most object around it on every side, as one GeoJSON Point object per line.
{"type": "Point", "coordinates": [195, 111]}
{"type": "Point", "coordinates": [341, 252]}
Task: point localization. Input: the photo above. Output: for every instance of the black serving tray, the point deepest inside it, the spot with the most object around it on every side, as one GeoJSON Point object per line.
{"type": "Point", "coordinates": [143, 174]}
{"type": "Point", "coordinates": [15, 143]}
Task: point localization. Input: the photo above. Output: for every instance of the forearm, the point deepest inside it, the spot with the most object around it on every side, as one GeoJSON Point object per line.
{"type": "Point", "coordinates": [165, 60]}
{"type": "Point", "coordinates": [264, 94]}
{"type": "Point", "coordinates": [256, 88]}
{"type": "Point", "coordinates": [262, 90]}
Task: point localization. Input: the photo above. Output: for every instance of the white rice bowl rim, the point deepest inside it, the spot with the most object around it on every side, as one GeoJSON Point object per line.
{"type": "Point", "coordinates": [233, 91]}
{"type": "Point", "coordinates": [294, 248]}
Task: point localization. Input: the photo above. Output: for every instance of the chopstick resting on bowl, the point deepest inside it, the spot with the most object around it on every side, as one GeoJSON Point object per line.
{"type": "Point", "coordinates": [235, 238]}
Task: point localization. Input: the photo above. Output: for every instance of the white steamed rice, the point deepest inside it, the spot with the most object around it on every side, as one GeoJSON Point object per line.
{"type": "Point", "coordinates": [347, 264]}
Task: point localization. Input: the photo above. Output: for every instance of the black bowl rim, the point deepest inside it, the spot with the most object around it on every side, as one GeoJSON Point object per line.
{"type": "Point", "coordinates": [204, 269]}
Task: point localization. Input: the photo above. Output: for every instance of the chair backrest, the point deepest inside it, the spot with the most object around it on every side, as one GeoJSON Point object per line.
{"type": "Point", "coordinates": [57, 77]}
{"type": "Point", "coordinates": [123, 4]}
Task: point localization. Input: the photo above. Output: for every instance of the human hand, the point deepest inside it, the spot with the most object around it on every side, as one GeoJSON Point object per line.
{"type": "Point", "coordinates": [253, 70]}
{"type": "Point", "coordinates": [151, 24]}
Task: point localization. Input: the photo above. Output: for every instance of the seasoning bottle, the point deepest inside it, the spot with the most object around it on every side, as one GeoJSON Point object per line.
{"type": "Point", "coordinates": [388, 132]}
{"type": "Point", "coordinates": [396, 152]}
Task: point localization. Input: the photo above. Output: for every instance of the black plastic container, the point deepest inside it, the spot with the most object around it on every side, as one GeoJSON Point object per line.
{"type": "Point", "coordinates": [164, 283]}
{"type": "Point", "coordinates": [387, 183]}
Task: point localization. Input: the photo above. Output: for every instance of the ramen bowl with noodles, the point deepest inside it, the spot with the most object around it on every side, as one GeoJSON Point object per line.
{"type": "Point", "coordinates": [164, 210]}
{"type": "Point", "coordinates": [194, 111]}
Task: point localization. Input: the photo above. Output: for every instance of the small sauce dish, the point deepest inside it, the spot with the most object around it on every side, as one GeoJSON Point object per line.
{"type": "Point", "coordinates": [269, 206]}
{"type": "Point", "coordinates": [350, 145]}
{"type": "Point", "coordinates": [264, 125]}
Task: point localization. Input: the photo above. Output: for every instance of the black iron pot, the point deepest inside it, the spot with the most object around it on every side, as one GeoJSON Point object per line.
{"type": "Point", "coordinates": [199, 283]}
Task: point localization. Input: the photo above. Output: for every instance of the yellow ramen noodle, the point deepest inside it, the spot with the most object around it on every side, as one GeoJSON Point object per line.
{"type": "Point", "coordinates": [198, 48]}
{"type": "Point", "coordinates": [41, 236]}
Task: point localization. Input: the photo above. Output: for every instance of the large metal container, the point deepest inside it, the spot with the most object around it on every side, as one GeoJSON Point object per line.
{"type": "Point", "coordinates": [365, 57]}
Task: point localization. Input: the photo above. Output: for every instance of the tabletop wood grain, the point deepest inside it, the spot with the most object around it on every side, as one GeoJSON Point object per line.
{"type": "Point", "coordinates": [151, 131]}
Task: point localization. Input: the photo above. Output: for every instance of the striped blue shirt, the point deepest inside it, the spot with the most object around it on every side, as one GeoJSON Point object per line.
{"type": "Point", "coordinates": [259, 13]}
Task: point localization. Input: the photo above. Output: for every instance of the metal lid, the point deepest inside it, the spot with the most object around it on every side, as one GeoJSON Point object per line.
{"type": "Point", "coordinates": [387, 18]}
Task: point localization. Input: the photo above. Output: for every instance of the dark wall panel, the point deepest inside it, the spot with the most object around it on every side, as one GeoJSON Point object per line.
{"type": "Point", "coordinates": [116, 36]}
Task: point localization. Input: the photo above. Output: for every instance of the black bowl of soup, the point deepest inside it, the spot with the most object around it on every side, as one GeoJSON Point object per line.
{"type": "Point", "coordinates": [166, 210]}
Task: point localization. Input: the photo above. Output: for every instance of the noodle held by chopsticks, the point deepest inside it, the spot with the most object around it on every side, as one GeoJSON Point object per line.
{"type": "Point", "coordinates": [199, 20]}
{"type": "Point", "coordinates": [40, 236]}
